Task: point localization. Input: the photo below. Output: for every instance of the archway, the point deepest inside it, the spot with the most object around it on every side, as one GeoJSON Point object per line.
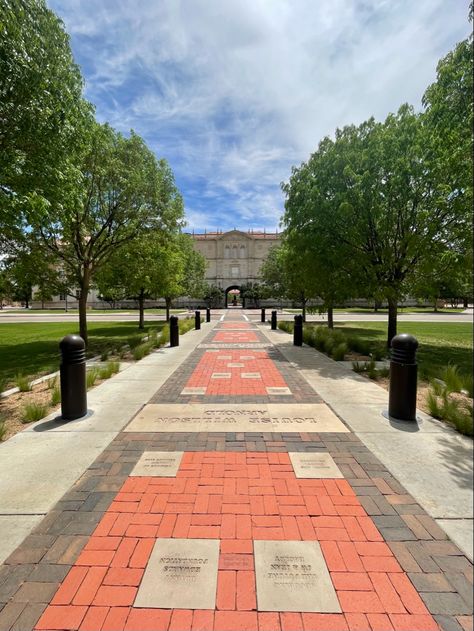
{"type": "Point", "coordinates": [232, 295]}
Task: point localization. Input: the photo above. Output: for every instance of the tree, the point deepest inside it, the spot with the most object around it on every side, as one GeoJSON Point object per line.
{"type": "Point", "coordinates": [122, 192]}
{"type": "Point", "coordinates": [369, 196]}
{"type": "Point", "coordinates": [151, 267]}
{"type": "Point", "coordinates": [283, 274]}
{"type": "Point", "coordinates": [28, 266]}
{"type": "Point", "coordinates": [213, 296]}
{"type": "Point", "coordinates": [184, 272]}
{"type": "Point", "coordinates": [42, 111]}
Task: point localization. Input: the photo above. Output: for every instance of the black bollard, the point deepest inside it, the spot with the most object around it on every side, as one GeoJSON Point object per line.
{"type": "Point", "coordinates": [73, 377]}
{"type": "Point", "coordinates": [174, 331]}
{"type": "Point", "coordinates": [208, 315]}
{"type": "Point", "coordinates": [274, 320]}
{"type": "Point", "coordinates": [298, 331]}
{"type": "Point", "coordinates": [262, 316]}
{"type": "Point", "coordinates": [197, 320]}
{"type": "Point", "coordinates": [403, 377]}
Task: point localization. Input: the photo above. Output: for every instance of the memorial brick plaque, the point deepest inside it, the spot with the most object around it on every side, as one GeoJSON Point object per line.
{"type": "Point", "coordinates": [293, 576]}
{"type": "Point", "coordinates": [181, 574]}
{"type": "Point", "coordinates": [222, 417]}
{"type": "Point", "coordinates": [158, 463]}
{"type": "Point", "coordinates": [314, 465]}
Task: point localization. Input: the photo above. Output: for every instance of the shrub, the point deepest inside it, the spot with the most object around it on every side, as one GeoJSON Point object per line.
{"type": "Point", "coordinates": [433, 405]}
{"type": "Point", "coordinates": [454, 411]}
{"type": "Point", "coordinates": [372, 370]}
{"type": "Point", "coordinates": [185, 325]}
{"type": "Point", "coordinates": [52, 383]}
{"type": "Point", "coordinates": [56, 396]}
{"type": "Point", "coordinates": [358, 345]}
{"type": "Point", "coordinates": [112, 367]}
{"type": "Point", "coordinates": [359, 366]}
{"type": "Point", "coordinates": [140, 351]}
{"type": "Point", "coordinates": [286, 326]}
{"type": "Point", "coordinates": [92, 376]}
{"type": "Point", "coordinates": [339, 351]}
{"type": "Point", "coordinates": [33, 412]}
{"type": "Point", "coordinates": [378, 353]}
{"type": "Point", "coordinates": [467, 385]}
{"type": "Point", "coordinates": [104, 355]}
{"type": "Point", "coordinates": [134, 340]}
{"type": "Point", "coordinates": [384, 372]}
{"type": "Point", "coordinates": [23, 383]}
{"type": "Point", "coordinates": [452, 378]}
{"type": "Point", "coordinates": [3, 429]}
{"type": "Point", "coordinates": [165, 336]}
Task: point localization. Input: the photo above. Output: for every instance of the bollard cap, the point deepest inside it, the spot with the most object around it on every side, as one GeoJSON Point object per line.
{"type": "Point", "coordinates": [404, 342]}
{"type": "Point", "coordinates": [173, 318]}
{"type": "Point", "coordinates": [298, 318]}
{"type": "Point", "coordinates": [72, 342]}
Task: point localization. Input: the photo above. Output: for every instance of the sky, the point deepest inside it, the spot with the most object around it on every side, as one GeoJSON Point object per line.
{"type": "Point", "coordinates": [233, 93]}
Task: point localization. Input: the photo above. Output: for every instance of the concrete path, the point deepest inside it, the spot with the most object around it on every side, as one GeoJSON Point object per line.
{"type": "Point", "coordinates": [38, 465]}
{"type": "Point", "coordinates": [252, 314]}
{"type": "Point", "coordinates": [236, 483]}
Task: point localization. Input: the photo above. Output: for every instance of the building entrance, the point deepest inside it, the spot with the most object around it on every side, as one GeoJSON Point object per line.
{"type": "Point", "coordinates": [233, 297]}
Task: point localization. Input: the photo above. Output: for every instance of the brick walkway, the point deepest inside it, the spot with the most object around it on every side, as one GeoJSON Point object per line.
{"type": "Point", "coordinates": [391, 566]}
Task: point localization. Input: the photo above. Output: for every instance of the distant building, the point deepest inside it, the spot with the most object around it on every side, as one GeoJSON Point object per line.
{"type": "Point", "coordinates": [234, 258]}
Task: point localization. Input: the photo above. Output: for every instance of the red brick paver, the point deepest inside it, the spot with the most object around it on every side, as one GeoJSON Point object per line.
{"type": "Point", "coordinates": [366, 576]}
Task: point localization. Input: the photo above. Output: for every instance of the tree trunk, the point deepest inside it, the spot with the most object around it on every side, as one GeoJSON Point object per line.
{"type": "Point", "coordinates": [27, 302]}
{"type": "Point", "coordinates": [465, 302]}
{"type": "Point", "coordinates": [392, 320]}
{"type": "Point", "coordinates": [330, 317]}
{"type": "Point", "coordinates": [303, 306]}
{"type": "Point", "coordinates": [168, 306]}
{"type": "Point", "coordinates": [83, 305]}
{"type": "Point", "coordinates": [435, 306]}
{"type": "Point", "coordinates": [141, 310]}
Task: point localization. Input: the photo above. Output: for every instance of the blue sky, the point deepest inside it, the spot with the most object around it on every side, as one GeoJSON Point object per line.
{"type": "Point", "coordinates": [234, 92]}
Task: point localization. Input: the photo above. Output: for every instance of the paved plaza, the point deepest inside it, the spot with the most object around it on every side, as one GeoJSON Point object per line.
{"type": "Point", "coordinates": [236, 483]}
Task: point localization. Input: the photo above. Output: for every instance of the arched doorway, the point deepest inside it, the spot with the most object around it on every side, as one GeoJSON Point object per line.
{"type": "Point", "coordinates": [233, 296]}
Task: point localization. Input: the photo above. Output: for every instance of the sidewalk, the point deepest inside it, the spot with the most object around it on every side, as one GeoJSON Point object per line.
{"type": "Point", "coordinates": [238, 483]}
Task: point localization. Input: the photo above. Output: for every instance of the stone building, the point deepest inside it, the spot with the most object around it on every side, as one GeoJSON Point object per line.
{"type": "Point", "coordinates": [234, 258]}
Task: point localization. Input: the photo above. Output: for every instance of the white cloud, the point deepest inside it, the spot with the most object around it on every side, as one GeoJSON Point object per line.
{"type": "Point", "coordinates": [233, 93]}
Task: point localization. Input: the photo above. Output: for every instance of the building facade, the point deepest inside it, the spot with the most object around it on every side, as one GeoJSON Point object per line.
{"type": "Point", "coordinates": [234, 258]}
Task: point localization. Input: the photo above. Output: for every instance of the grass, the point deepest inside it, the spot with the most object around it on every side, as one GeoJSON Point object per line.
{"type": "Point", "coordinates": [441, 344]}
{"type": "Point", "coordinates": [33, 412]}
{"type": "Point", "coordinates": [31, 348]}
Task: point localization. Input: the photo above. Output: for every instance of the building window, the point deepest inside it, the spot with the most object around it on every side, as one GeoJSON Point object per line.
{"type": "Point", "coordinates": [78, 294]}
{"type": "Point", "coordinates": [234, 252]}
{"type": "Point", "coordinates": [227, 252]}
{"type": "Point", "coordinates": [62, 296]}
{"type": "Point", "coordinates": [234, 271]}
{"type": "Point", "coordinates": [242, 251]}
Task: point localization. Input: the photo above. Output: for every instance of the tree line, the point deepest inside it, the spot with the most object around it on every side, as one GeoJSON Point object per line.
{"type": "Point", "coordinates": [382, 210]}
{"type": "Point", "coordinates": [81, 204]}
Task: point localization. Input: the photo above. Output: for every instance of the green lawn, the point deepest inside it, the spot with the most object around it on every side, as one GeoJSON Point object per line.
{"type": "Point", "coordinates": [441, 343]}
{"type": "Point", "coordinates": [32, 348]}
{"type": "Point", "coordinates": [90, 311]}
{"type": "Point", "coordinates": [425, 310]}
